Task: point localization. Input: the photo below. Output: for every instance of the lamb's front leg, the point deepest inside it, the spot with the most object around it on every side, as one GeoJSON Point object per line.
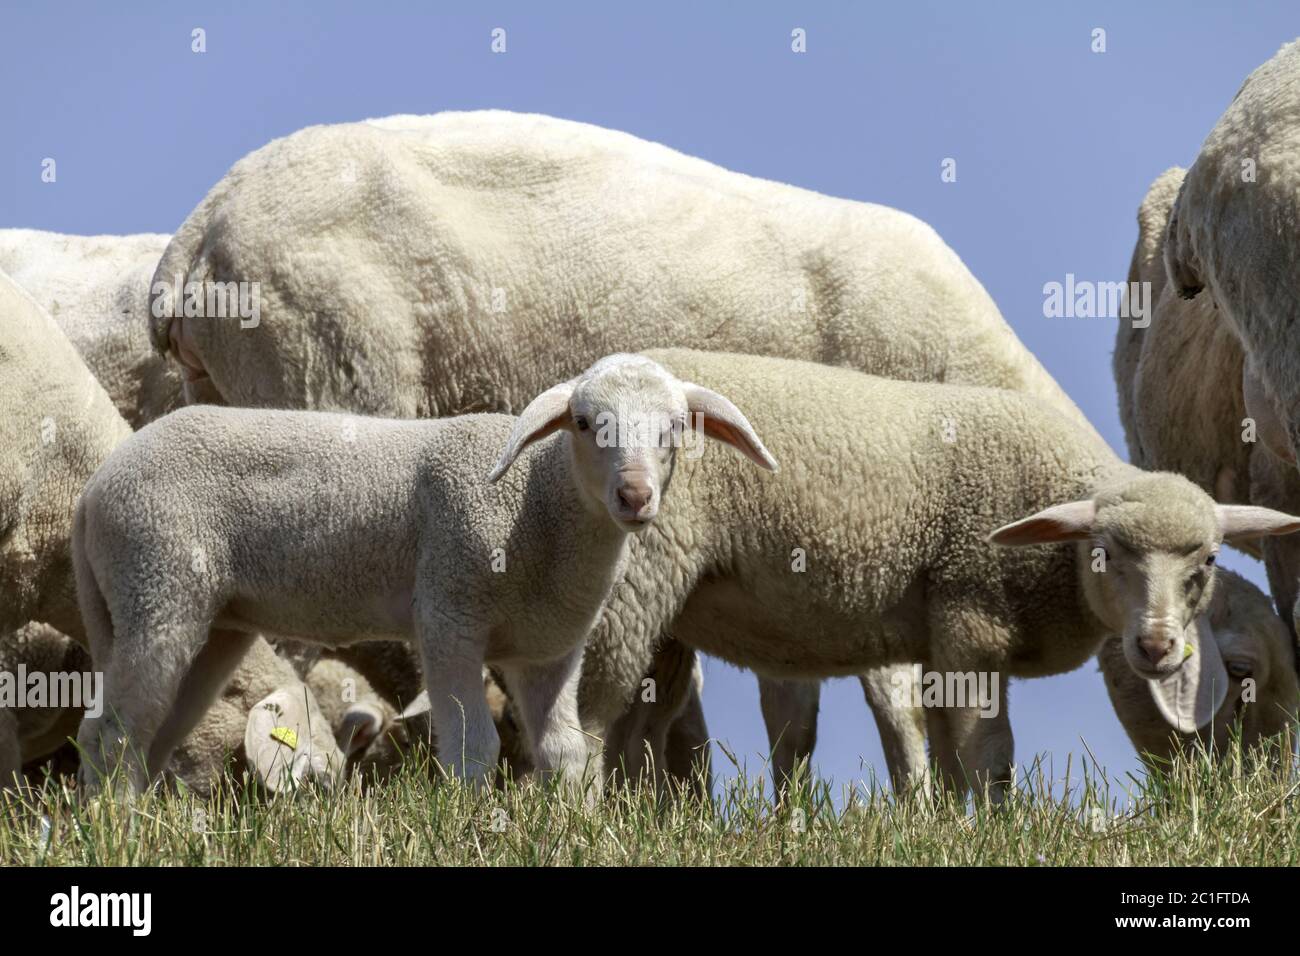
{"type": "Point", "coordinates": [468, 745]}
{"type": "Point", "coordinates": [546, 697]}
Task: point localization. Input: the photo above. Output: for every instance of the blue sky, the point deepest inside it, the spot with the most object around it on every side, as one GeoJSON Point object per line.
{"type": "Point", "coordinates": [1055, 146]}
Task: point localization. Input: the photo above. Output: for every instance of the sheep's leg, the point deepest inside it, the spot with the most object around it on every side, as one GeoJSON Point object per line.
{"type": "Point", "coordinates": [790, 715]}
{"type": "Point", "coordinates": [950, 777]}
{"type": "Point", "coordinates": [546, 697]}
{"type": "Point", "coordinates": [468, 744]}
{"type": "Point", "coordinates": [981, 737]}
{"type": "Point", "coordinates": [207, 678]}
{"type": "Point", "coordinates": [142, 681]}
{"type": "Point", "coordinates": [688, 754]}
{"type": "Point", "coordinates": [901, 726]}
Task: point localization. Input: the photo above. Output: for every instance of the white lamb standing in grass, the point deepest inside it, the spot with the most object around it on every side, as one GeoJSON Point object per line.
{"type": "Point", "coordinates": [97, 289]}
{"type": "Point", "coordinates": [901, 529]}
{"type": "Point", "coordinates": [211, 525]}
{"type": "Point", "coordinates": [423, 266]}
{"type": "Point", "coordinates": [57, 425]}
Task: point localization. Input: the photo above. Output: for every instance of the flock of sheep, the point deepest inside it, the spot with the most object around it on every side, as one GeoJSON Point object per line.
{"type": "Point", "coordinates": [450, 479]}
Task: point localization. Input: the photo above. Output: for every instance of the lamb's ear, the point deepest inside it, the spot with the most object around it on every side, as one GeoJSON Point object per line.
{"type": "Point", "coordinates": [1189, 698]}
{"type": "Point", "coordinates": [1247, 521]}
{"type": "Point", "coordinates": [546, 413]}
{"type": "Point", "coordinates": [362, 723]}
{"type": "Point", "coordinates": [1071, 521]}
{"type": "Point", "coordinates": [722, 421]}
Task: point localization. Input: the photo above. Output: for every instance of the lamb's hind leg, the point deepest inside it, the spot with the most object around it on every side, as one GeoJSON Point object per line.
{"type": "Point", "coordinates": [790, 716]}
{"type": "Point", "coordinates": [144, 671]}
{"type": "Point", "coordinates": [207, 678]}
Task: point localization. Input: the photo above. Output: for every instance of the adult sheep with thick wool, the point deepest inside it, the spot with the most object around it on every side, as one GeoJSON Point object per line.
{"type": "Point", "coordinates": [1179, 375]}
{"type": "Point", "coordinates": [429, 265]}
{"type": "Point", "coordinates": [96, 288]}
{"type": "Point", "coordinates": [399, 529]}
{"type": "Point", "coordinates": [895, 520]}
{"type": "Point", "coordinates": [1232, 235]}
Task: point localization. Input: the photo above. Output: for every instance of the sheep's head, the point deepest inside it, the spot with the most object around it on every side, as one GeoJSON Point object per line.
{"type": "Point", "coordinates": [626, 416]}
{"type": "Point", "coordinates": [1148, 548]}
{"type": "Point", "coordinates": [1262, 697]}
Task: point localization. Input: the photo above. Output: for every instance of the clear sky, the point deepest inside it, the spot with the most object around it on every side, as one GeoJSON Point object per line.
{"type": "Point", "coordinates": [1054, 144]}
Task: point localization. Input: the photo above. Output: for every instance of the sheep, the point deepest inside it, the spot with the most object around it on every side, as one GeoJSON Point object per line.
{"type": "Point", "coordinates": [1260, 661]}
{"type": "Point", "coordinates": [97, 289]}
{"type": "Point", "coordinates": [56, 426]}
{"type": "Point", "coordinates": [212, 524]}
{"type": "Point", "coordinates": [1232, 231]}
{"type": "Point", "coordinates": [904, 573]}
{"type": "Point", "coordinates": [487, 254]}
{"type": "Point", "coordinates": [266, 720]}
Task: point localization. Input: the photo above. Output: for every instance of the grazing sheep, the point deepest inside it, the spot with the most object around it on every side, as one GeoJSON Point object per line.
{"type": "Point", "coordinates": [212, 524]}
{"type": "Point", "coordinates": [1256, 647]}
{"type": "Point", "coordinates": [1232, 232]}
{"type": "Point", "coordinates": [244, 728]}
{"type": "Point", "coordinates": [426, 266]}
{"type": "Point", "coordinates": [891, 519]}
{"type": "Point", "coordinates": [97, 289]}
{"type": "Point", "coordinates": [30, 733]}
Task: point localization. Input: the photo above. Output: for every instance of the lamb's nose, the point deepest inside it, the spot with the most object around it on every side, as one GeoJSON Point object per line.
{"type": "Point", "coordinates": [636, 498]}
{"type": "Point", "coordinates": [1155, 648]}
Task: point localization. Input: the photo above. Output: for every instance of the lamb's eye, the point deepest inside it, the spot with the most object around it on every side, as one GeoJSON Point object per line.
{"type": "Point", "coordinates": [1210, 559]}
{"type": "Point", "coordinates": [582, 423]}
{"type": "Point", "coordinates": [1239, 669]}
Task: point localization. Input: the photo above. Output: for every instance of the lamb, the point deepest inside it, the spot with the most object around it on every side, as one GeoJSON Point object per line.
{"type": "Point", "coordinates": [97, 289]}
{"type": "Point", "coordinates": [181, 552]}
{"type": "Point", "coordinates": [488, 254]}
{"type": "Point", "coordinates": [1232, 232]}
{"type": "Point", "coordinates": [905, 574]}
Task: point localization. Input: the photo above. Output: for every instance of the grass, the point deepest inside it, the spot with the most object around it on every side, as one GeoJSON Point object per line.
{"type": "Point", "coordinates": [1238, 810]}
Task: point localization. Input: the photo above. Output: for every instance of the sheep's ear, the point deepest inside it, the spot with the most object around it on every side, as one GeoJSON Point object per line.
{"type": "Point", "coordinates": [722, 421]}
{"type": "Point", "coordinates": [1071, 521]}
{"type": "Point", "coordinates": [362, 723]}
{"type": "Point", "coordinates": [546, 413]}
{"type": "Point", "coordinates": [1189, 698]}
{"type": "Point", "coordinates": [1248, 521]}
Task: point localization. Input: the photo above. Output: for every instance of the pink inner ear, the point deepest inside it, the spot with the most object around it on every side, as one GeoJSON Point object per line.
{"type": "Point", "coordinates": [724, 432]}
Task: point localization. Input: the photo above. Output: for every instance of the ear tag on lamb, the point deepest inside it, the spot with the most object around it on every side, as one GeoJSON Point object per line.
{"type": "Point", "coordinates": [285, 735]}
{"type": "Point", "coordinates": [1189, 698]}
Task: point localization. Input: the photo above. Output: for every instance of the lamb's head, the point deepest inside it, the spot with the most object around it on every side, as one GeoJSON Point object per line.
{"type": "Point", "coordinates": [1148, 544]}
{"type": "Point", "coordinates": [626, 416]}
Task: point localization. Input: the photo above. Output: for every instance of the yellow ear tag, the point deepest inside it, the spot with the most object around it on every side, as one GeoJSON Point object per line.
{"type": "Point", "coordinates": [1188, 651]}
{"type": "Point", "coordinates": [285, 735]}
